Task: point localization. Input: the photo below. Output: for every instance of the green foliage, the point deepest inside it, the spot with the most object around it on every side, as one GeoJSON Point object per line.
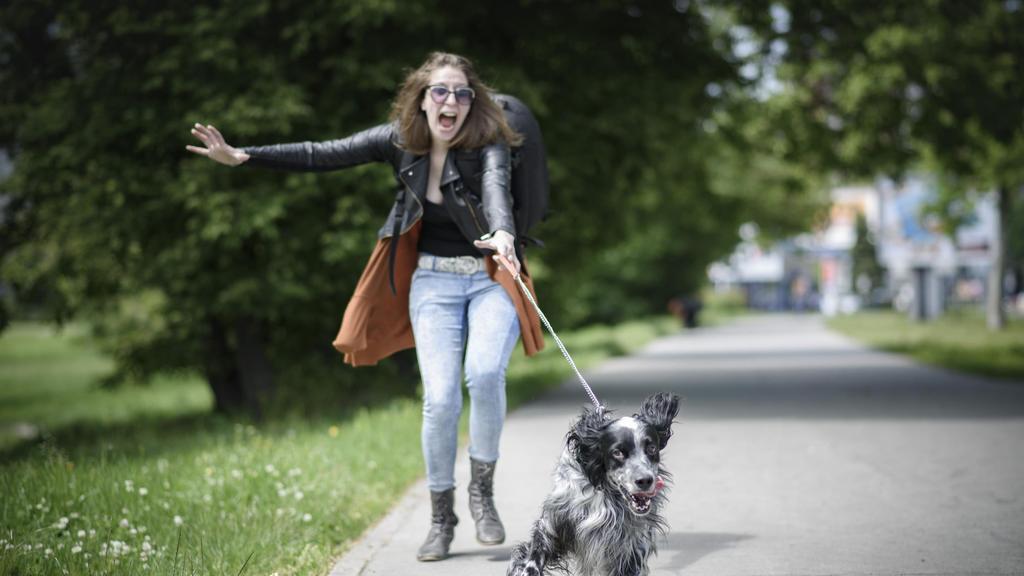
{"type": "Point", "coordinates": [210, 497]}
{"type": "Point", "coordinates": [52, 381]}
{"type": "Point", "coordinates": [957, 340]}
{"type": "Point", "coordinates": [865, 259]}
{"type": "Point", "coordinates": [187, 265]}
{"type": "Point", "coordinates": [886, 89]}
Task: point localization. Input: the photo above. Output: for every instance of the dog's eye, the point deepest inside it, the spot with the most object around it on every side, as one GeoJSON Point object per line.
{"type": "Point", "coordinates": [618, 455]}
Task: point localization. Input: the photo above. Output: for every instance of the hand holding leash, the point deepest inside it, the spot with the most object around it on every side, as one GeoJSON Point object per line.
{"type": "Point", "coordinates": [503, 244]}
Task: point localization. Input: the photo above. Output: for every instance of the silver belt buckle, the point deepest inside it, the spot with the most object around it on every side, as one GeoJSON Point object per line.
{"type": "Point", "coordinates": [459, 264]}
{"type": "Point", "coordinates": [465, 265]}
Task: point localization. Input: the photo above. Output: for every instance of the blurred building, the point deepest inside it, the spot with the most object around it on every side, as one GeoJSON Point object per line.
{"type": "Point", "coordinates": [926, 271]}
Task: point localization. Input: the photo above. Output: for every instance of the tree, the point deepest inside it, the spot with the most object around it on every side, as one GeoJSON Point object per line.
{"type": "Point", "coordinates": [865, 259]}
{"type": "Point", "coordinates": [901, 83]}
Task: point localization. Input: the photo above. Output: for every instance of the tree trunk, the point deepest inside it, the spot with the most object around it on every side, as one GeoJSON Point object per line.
{"type": "Point", "coordinates": [257, 376]}
{"type": "Point", "coordinates": [994, 313]}
{"type": "Point", "coordinates": [221, 371]}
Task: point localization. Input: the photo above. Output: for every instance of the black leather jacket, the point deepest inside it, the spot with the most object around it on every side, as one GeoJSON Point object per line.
{"type": "Point", "coordinates": [475, 182]}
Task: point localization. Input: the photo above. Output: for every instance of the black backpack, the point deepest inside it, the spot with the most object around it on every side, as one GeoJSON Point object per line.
{"type": "Point", "coordinates": [529, 169]}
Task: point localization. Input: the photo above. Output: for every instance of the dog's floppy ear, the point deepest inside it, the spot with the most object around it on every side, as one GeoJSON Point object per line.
{"type": "Point", "coordinates": [659, 410]}
{"type": "Point", "coordinates": [584, 441]}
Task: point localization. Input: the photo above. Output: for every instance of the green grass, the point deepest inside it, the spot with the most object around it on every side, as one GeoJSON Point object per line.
{"type": "Point", "coordinates": [50, 380]}
{"type": "Point", "coordinates": [144, 480]}
{"type": "Point", "coordinates": [959, 341]}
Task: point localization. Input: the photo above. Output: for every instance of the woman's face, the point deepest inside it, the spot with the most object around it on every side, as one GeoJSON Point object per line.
{"type": "Point", "coordinates": [445, 118]}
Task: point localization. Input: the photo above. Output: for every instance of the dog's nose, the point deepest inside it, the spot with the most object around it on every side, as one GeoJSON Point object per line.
{"type": "Point", "coordinates": [645, 483]}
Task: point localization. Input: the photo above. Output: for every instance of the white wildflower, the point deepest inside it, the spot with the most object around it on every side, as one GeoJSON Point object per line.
{"type": "Point", "coordinates": [295, 472]}
{"type": "Point", "coordinates": [76, 549]}
{"type": "Point", "coordinates": [125, 523]}
{"type": "Point", "coordinates": [62, 523]}
{"type": "Point", "coordinates": [299, 495]}
{"type": "Point", "coordinates": [143, 491]}
{"type": "Point", "coordinates": [307, 517]}
{"type": "Point", "coordinates": [129, 486]}
{"type": "Point", "coordinates": [81, 533]}
{"type": "Point", "coordinates": [178, 521]}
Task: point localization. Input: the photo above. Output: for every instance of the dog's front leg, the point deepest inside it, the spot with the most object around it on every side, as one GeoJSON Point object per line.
{"type": "Point", "coordinates": [530, 557]}
{"type": "Point", "coordinates": [633, 564]}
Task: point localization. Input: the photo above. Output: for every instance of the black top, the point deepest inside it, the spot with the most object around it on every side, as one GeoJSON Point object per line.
{"type": "Point", "coordinates": [440, 235]}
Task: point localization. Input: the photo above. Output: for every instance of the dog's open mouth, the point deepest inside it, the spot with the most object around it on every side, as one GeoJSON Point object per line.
{"type": "Point", "coordinates": [639, 502]}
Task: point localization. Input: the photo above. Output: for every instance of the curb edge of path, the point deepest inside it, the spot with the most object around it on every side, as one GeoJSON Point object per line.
{"type": "Point", "coordinates": [354, 560]}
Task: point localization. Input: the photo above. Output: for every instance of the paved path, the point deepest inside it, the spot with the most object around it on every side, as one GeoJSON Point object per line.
{"type": "Point", "coordinates": [797, 451]}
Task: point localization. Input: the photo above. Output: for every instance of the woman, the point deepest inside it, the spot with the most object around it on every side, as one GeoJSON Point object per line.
{"type": "Point", "coordinates": [427, 283]}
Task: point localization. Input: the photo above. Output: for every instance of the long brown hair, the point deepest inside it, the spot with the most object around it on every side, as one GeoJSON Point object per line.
{"type": "Point", "coordinates": [485, 123]}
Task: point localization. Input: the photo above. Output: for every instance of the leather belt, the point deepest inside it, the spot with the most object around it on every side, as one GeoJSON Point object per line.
{"type": "Point", "coordinates": [454, 264]}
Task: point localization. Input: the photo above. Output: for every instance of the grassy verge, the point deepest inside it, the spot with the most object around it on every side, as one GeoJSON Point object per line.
{"type": "Point", "coordinates": [145, 481]}
{"type": "Point", "coordinates": [958, 340]}
{"type": "Point", "coordinates": [50, 381]}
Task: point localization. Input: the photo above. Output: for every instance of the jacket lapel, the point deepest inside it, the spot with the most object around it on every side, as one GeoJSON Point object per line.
{"type": "Point", "coordinates": [415, 170]}
{"type": "Point", "coordinates": [414, 173]}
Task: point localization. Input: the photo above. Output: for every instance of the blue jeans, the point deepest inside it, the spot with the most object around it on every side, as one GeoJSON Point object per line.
{"type": "Point", "coordinates": [458, 321]}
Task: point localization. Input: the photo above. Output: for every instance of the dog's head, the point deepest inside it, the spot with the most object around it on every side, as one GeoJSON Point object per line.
{"type": "Point", "coordinates": [623, 454]}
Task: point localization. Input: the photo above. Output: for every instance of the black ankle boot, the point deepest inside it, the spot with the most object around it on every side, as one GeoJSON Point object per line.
{"type": "Point", "coordinates": [442, 527]}
{"type": "Point", "coordinates": [489, 529]}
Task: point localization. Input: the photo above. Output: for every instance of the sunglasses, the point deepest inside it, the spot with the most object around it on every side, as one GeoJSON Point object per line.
{"type": "Point", "coordinates": [463, 96]}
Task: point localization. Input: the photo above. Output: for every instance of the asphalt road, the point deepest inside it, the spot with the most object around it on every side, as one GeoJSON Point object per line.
{"type": "Point", "coordinates": [796, 452]}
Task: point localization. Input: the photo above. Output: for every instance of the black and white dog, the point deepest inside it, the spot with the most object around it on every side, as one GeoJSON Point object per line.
{"type": "Point", "coordinates": [602, 515]}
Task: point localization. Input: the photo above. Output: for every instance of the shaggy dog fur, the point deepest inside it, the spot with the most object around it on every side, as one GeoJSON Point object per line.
{"type": "Point", "coordinates": [602, 517]}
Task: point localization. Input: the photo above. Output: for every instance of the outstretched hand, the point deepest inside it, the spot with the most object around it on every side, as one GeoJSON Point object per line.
{"type": "Point", "coordinates": [216, 148]}
{"type": "Point", "coordinates": [502, 243]}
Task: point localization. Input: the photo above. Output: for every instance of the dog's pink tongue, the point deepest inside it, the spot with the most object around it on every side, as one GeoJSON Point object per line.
{"type": "Point", "coordinates": [658, 484]}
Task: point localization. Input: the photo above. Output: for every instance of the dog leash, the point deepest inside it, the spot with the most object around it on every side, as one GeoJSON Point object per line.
{"type": "Point", "coordinates": [511, 270]}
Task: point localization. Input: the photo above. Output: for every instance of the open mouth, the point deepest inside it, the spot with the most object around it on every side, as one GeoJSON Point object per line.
{"type": "Point", "coordinates": [639, 502]}
{"type": "Point", "coordinates": [447, 120]}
